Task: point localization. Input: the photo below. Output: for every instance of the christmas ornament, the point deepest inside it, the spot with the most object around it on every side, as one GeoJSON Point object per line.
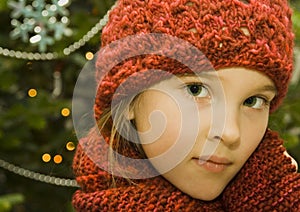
{"type": "Point", "coordinates": [65, 52]}
{"type": "Point", "coordinates": [40, 23]}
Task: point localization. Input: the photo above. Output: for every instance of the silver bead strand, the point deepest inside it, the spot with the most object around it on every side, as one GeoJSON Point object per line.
{"type": "Point", "coordinates": [28, 55]}
{"type": "Point", "coordinates": [89, 35]}
{"type": "Point", "coordinates": [37, 176]}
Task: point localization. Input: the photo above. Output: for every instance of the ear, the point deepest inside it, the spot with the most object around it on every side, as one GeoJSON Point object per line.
{"type": "Point", "coordinates": [129, 113]}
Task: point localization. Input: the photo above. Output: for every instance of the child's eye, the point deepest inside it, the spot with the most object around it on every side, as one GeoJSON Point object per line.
{"type": "Point", "coordinates": [255, 102]}
{"type": "Point", "coordinates": [197, 90]}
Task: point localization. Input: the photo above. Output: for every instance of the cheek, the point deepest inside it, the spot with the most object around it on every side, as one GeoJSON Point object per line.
{"type": "Point", "coordinates": [157, 142]}
{"type": "Point", "coordinates": [158, 126]}
{"type": "Point", "coordinates": [253, 132]}
{"type": "Point", "coordinates": [257, 125]}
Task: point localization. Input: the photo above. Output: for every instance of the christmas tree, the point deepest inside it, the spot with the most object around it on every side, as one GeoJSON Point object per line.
{"type": "Point", "coordinates": [44, 46]}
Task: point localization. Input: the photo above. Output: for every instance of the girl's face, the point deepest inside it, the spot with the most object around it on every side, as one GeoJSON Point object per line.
{"type": "Point", "coordinates": [242, 107]}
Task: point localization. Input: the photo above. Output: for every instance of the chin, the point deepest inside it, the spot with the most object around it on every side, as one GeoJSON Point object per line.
{"type": "Point", "coordinates": [206, 195]}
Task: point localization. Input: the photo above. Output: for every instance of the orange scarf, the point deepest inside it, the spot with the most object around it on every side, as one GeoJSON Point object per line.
{"type": "Point", "coordinates": [267, 182]}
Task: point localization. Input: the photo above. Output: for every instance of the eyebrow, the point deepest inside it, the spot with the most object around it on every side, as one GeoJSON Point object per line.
{"type": "Point", "coordinates": [270, 88]}
{"type": "Point", "coordinates": [198, 77]}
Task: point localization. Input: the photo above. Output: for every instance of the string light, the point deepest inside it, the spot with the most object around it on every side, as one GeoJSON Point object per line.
{"type": "Point", "coordinates": [70, 146]}
{"type": "Point", "coordinates": [66, 51]}
{"type": "Point", "coordinates": [57, 159]}
{"type": "Point", "coordinates": [46, 157]}
{"type": "Point", "coordinates": [32, 92]}
{"type": "Point", "coordinates": [89, 55]}
{"type": "Point", "coordinates": [65, 112]}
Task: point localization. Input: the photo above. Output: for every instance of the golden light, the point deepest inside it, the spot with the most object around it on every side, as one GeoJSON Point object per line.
{"type": "Point", "coordinates": [70, 146]}
{"type": "Point", "coordinates": [32, 92]}
{"type": "Point", "coordinates": [89, 55]}
{"type": "Point", "coordinates": [65, 112]}
{"type": "Point", "coordinates": [57, 159]}
{"type": "Point", "coordinates": [46, 157]}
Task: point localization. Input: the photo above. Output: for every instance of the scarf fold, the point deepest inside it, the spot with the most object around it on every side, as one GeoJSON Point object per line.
{"type": "Point", "coordinates": [267, 182]}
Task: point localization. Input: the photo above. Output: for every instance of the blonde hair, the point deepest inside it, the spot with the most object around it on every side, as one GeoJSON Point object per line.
{"type": "Point", "coordinates": [121, 131]}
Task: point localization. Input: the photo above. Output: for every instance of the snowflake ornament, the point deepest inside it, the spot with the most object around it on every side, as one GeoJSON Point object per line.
{"type": "Point", "coordinates": [39, 23]}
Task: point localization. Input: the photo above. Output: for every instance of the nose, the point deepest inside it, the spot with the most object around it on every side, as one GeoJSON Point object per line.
{"type": "Point", "coordinates": [229, 129]}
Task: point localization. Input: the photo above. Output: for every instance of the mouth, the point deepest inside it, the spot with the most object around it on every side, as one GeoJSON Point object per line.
{"type": "Point", "coordinates": [213, 163]}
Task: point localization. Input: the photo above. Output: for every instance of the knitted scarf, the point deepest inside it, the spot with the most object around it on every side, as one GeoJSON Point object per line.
{"type": "Point", "coordinates": [267, 182]}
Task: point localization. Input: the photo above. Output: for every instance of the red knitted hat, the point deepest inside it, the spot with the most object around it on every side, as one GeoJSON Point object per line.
{"type": "Point", "coordinates": [256, 34]}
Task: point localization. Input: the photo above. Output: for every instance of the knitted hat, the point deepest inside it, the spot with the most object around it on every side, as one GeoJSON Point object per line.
{"type": "Point", "coordinates": [256, 34]}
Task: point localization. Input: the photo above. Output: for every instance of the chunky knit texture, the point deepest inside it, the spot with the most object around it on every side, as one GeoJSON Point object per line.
{"type": "Point", "coordinates": [267, 182]}
{"type": "Point", "coordinates": [255, 34]}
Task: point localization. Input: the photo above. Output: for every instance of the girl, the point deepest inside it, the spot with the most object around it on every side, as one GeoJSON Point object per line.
{"type": "Point", "coordinates": [172, 134]}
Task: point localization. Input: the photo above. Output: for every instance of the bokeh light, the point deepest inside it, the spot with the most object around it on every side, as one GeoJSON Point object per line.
{"type": "Point", "coordinates": [57, 159]}
{"type": "Point", "coordinates": [89, 55]}
{"type": "Point", "coordinates": [65, 112]}
{"type": "Point", "coordinates": [70, 146]}
{"type": "Point", "coordinates": [46, 157]}
{"type": "Point", "coordinates": [32, 92]}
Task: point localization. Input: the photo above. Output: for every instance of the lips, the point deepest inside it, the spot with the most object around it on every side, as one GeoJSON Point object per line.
{"type": "Point", "coordinates": [215, 159]}
{"type": "Point", "coordinates": [213, 163]}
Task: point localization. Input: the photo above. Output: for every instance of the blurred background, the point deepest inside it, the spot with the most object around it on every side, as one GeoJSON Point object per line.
{"type": "Point", "coordinates": [37, 138]}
